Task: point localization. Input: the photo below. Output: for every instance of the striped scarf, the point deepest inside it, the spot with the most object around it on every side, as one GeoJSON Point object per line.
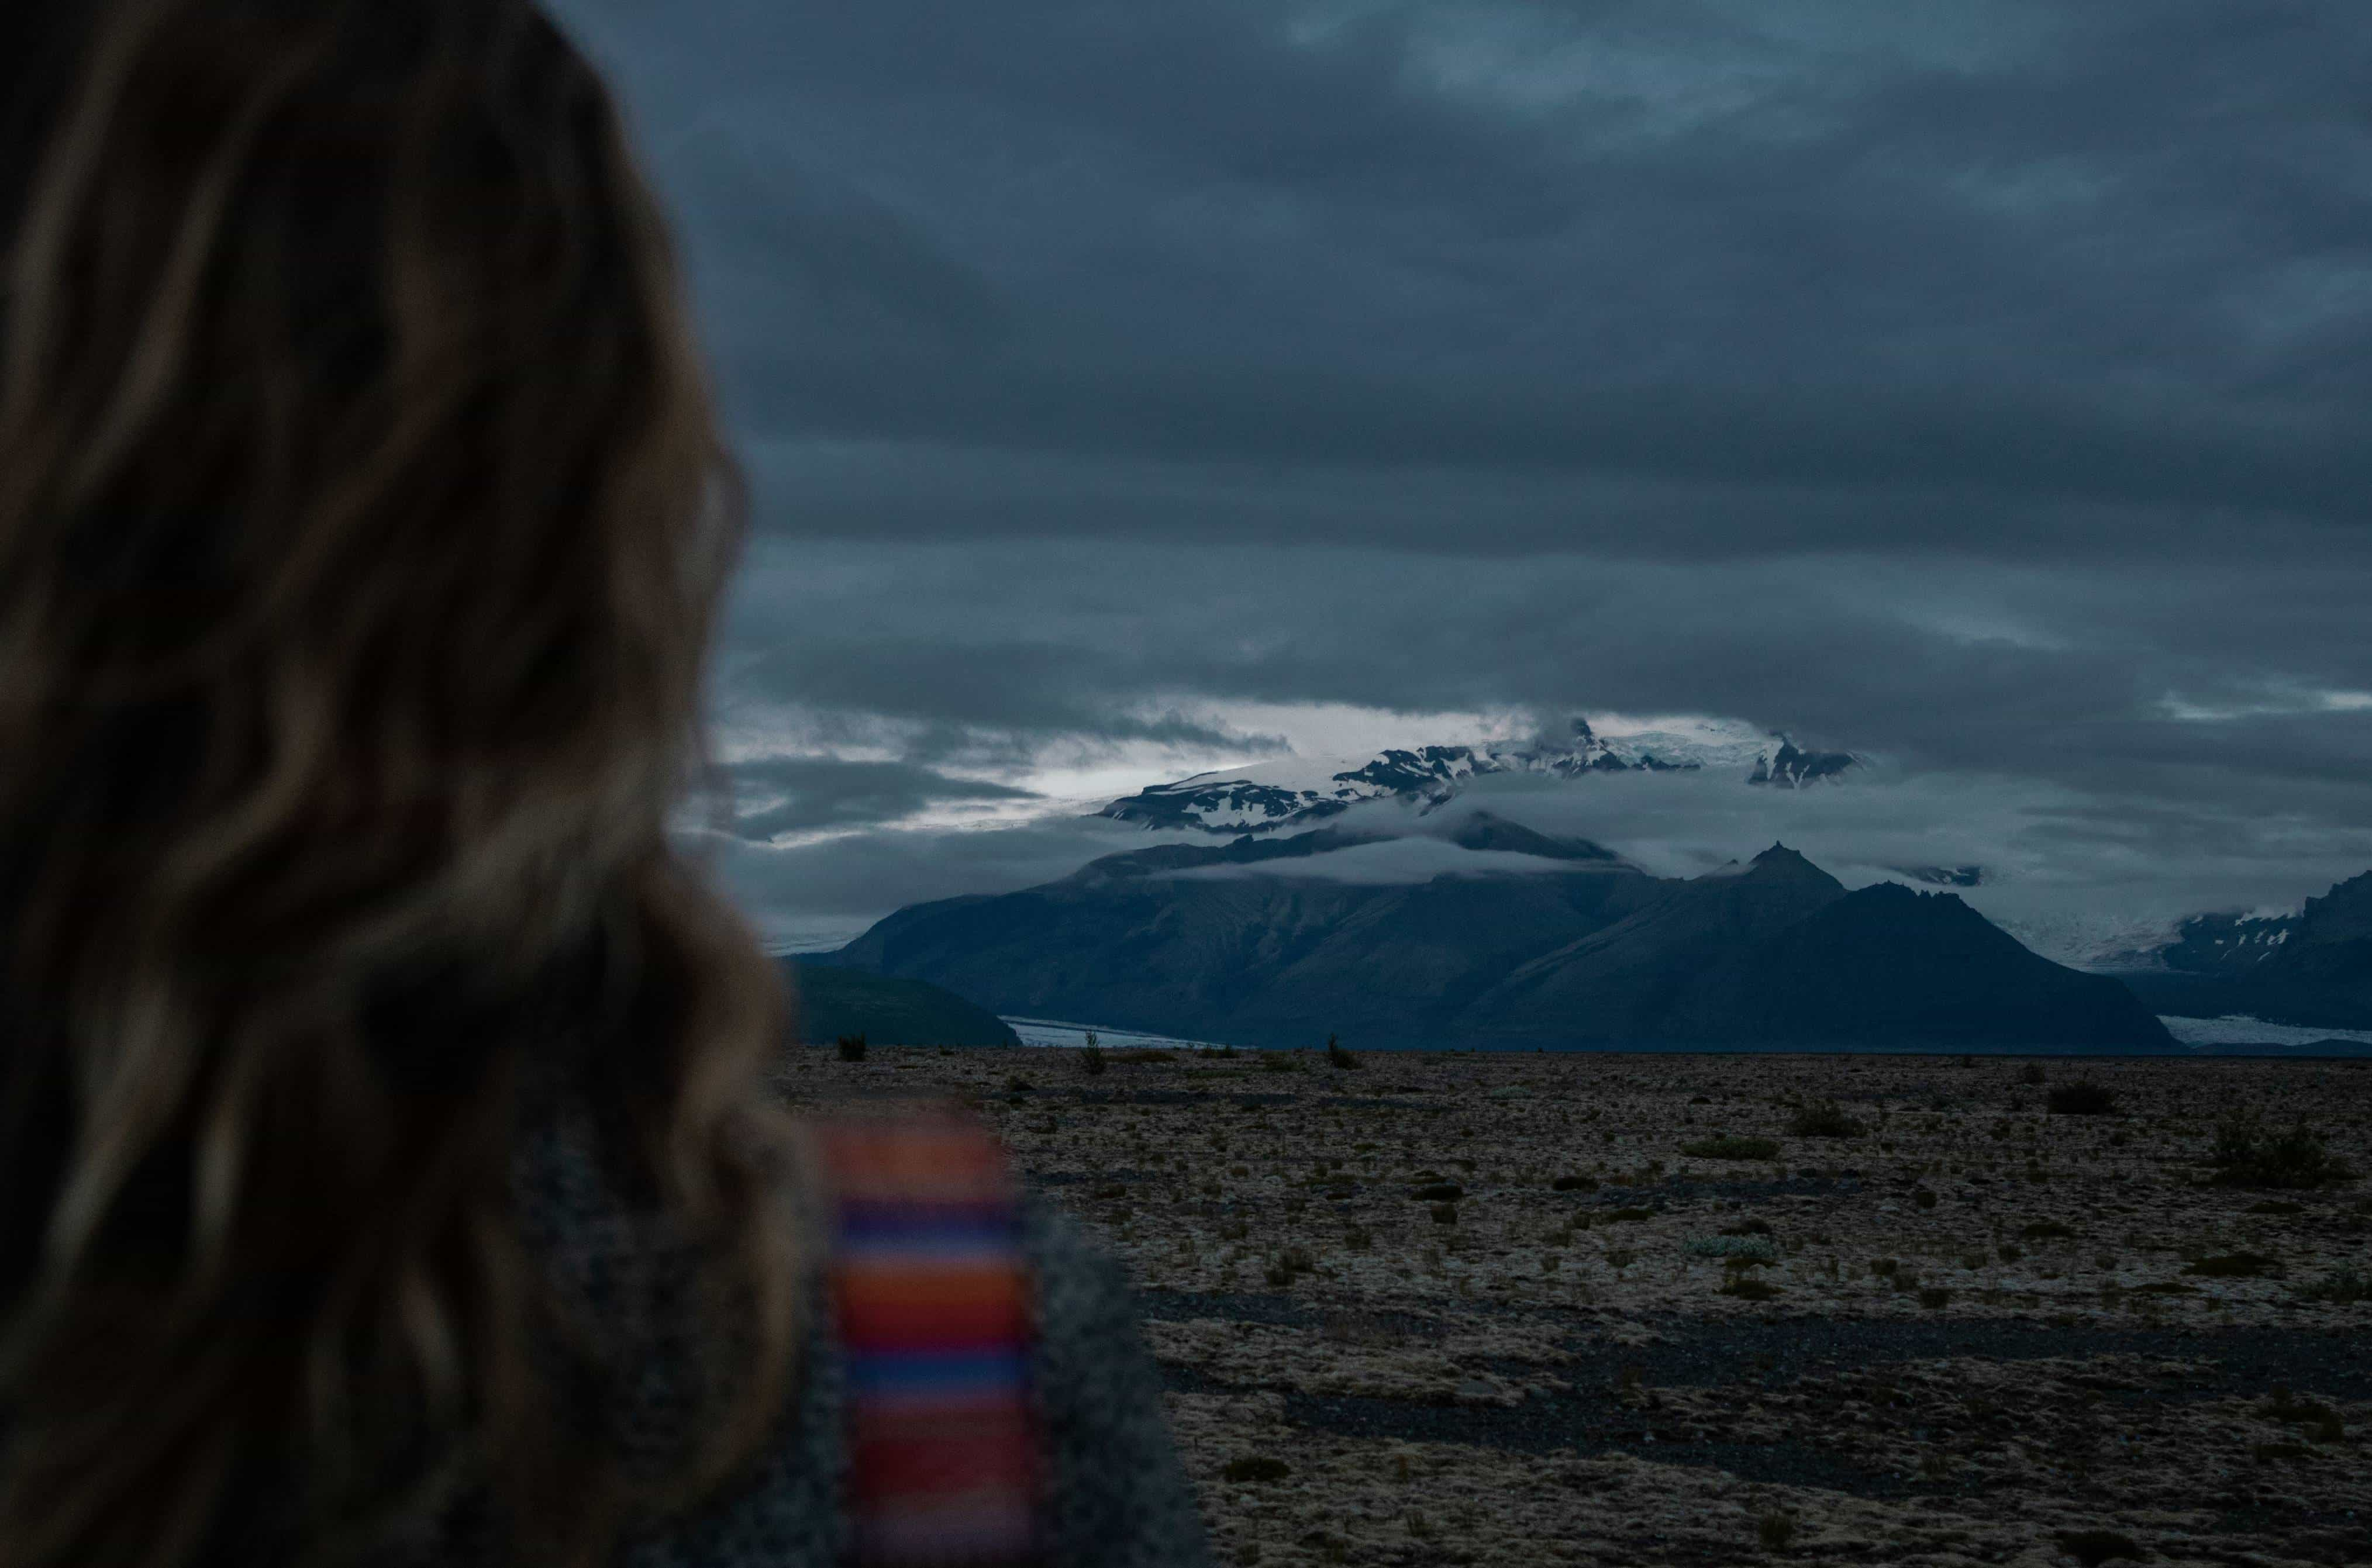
{"type": "Point", "coordinates": [934, 1317]}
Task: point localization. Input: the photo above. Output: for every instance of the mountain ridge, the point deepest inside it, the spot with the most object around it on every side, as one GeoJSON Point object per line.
{"type": "Point", "coordinates": [1298, 792]}
{"type": "Point", "coordinates": [2312, 969]}
{"type": "Point", "coordinates": [1578, 947]}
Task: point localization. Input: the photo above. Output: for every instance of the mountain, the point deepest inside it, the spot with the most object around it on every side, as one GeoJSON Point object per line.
{"type": "Point", "coordinates": [1620, 981]}
{"type": "Point", "coordinates": [1240, 942]}
{"type": "Point", "coordinates": [2233, 945]}
{"type": "Point", "coordinates": [2312, 969]}
{"type": "Point", "coordinates": [2330, 953]}
{"type": "Point", "coordinates": [829, 1001]}
{"type": "Point", "coordinates": [1298, 792]}
{"type": "Point", "coordinates": [1891, 966]}
{"type": "Point", "coordinates": [1490, 935]}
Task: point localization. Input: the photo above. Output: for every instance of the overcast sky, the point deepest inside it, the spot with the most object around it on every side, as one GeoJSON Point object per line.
{"type": "Point", "coordinates": [1131, 387]}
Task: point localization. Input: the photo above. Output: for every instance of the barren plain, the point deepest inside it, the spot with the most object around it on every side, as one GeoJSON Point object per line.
{"type": "Point", "coordinates": [1601, 1308]}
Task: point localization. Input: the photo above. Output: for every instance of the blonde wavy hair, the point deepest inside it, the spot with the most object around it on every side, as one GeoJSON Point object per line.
{"type": "Point", "coordinates": [363, 515]}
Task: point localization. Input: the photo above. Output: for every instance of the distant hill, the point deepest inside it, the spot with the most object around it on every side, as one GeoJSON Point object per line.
{"type": "Point", "coordinates": [1497, 935]}
{"type": "Point", "coordinates": [830, 1001]}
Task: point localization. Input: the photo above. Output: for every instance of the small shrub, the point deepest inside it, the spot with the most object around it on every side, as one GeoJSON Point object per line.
{"type": "Point", "coordinates": [1278, 1062]}
{"type": "Point", "coordinates": [852, 1048]}
{"type": "Point", "coordinates": [1143, 1055]}
{"type": "Point", "coordinates": [1620, 1257]}
{"type": "Point", "coordinates": [1256, 1468]}
{"type": "Point", "coordinates": [1884, 1267]}
{"type": "Point", "coordinates": [2031, 1074]}
{"type": "Point", "coordinates": [1746, 1289]}
{"type": "Point", "coordinates": [1824, 1118]}
{"type": "Point", "coordinates": [1337, 1057]}
{"type": "Point", "coordinates": [1747, 1228]}
{"type": "Point", "coordinates": [1925, 1198]}
{"type": "Point", "coordinates": [1091, 1059]}
{"type": "Point", "coordinates": [1284, 1265]}
{"type": "Point", "coordinates": [2344, 1287]}
{"type": "Point", "coordinates": [2010, 1251]}
{"type": "Point", "coordinates": [1935, 1297]}
{"type": "Point", "coordinates": [2277, 1207]}
{"type": "Point", "coordinates": [1731, 1147]}
{"type": "Point", "coordinates": [1626, 1215]}
{"type": "Point", "coordinates": [2235, 1266]}
{"type": "Point", "coordinates": [2047, 1230]}
{"type": "Point", "coordinates": [2084, 1096]}
{"type": "Point", "coordinates": [1445, 1213]}
{"type": "Point", "coordinates": [2247, 1155]}
{"type": "Point", "coordinates": [1758, 1248]}
{"type": "Point", "coordinates": [1775, 1530]}
{"type": "Point", "coordinates": [1355, 1327]}
{"type": "Point", "coordinates": [2092, 1548]}
{"type": "Point", "coordinates": [1574, 1184]}
{"type": "Point", "coordinates": [1438, 1192]}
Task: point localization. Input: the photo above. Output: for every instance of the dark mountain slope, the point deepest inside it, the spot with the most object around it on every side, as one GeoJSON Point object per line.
{"type": "Point", "coordinates": [1617, 983]}
{"type": "Point", "coordinates": [1241, 943]}
{"type": "Point", "coordinates": [2313, 968]}
{"type": "Point", "coordinates": [2328, 960]}
{"type": "Point", "coordinates": [1166, 939]}
{"type": "Point", "coordinates": [1405, 966]}
{"type": "Point", "coordinates": [828, 1001]}
{"type": "Point", "coordinates": [1889, 965]}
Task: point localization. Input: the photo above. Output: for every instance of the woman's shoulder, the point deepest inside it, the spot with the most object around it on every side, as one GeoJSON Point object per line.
{"type": "Point", "coordinates": [928, 1258]}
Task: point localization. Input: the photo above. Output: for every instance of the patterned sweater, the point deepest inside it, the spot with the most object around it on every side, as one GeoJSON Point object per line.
{"type": "Point", "coordinates": [1116, 1495]}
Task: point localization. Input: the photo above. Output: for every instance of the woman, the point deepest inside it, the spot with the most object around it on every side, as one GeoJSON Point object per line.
{"type": "Point", "coordinates": [385, 1172]}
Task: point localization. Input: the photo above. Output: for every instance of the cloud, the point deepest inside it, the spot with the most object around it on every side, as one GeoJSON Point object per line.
{"type": "Point", "coordinates": [779, 796]}
{"type": "Point", "coordinates": [1974, 384]}
{"type": "Point", "coordinates": [1392, 864]}
{"type": "Point", "coordinates": [820, 893]}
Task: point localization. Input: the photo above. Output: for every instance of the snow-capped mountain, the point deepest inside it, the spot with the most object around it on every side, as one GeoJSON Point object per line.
{"type": "Point", "coordinates": [1299, 792]}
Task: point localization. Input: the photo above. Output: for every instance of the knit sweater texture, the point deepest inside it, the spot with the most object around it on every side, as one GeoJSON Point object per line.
{"type": "Point", "coordinates": [1116, 1495]}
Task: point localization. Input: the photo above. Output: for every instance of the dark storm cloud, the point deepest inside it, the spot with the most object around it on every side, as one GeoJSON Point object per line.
{"type": "Point", "coordinates": [1978, 382]}
{"type": "Point", "coordinates": [2063, 270]}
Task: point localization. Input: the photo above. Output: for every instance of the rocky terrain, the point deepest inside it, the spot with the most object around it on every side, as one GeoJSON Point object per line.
{"type": "Point", "coordinates": [1595, 1309]}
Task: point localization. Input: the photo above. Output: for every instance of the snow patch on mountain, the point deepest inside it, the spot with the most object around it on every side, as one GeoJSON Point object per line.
{"type": "Point", "coordinates": [1299, 792]}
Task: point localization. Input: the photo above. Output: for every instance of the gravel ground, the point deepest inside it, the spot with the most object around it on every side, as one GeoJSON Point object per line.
{"type": "Point", "coordinates": [1468, 1309]}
